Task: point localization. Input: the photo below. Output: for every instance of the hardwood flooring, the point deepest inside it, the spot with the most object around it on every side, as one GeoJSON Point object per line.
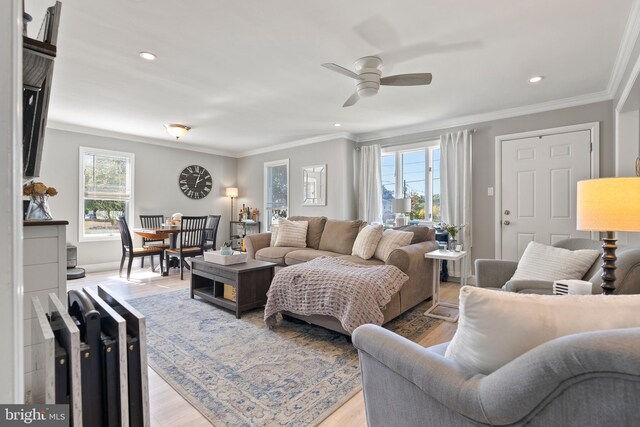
{"type": "Point", "coordinates": [168, 408]}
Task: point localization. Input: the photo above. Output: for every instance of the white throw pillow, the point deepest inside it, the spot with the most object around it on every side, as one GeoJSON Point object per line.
{"type": "Point", "coordinates": [367, 241]}
{"type": "Point", "coordinates": [542, 262]}
{"type": "Point", "coordinates": [392, 240]}
{"type": "Point", "coordinates": [292, 234]}
{"type": "Point", "coordinates": [496, 327]}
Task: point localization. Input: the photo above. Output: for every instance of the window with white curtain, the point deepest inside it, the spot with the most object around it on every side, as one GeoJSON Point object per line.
{"type": "Point", "coordinates": [276, 191]}
{"type": "Point", "coordinates": [106, 192]}
{"type": "Point", "coordinates": [412, 171]}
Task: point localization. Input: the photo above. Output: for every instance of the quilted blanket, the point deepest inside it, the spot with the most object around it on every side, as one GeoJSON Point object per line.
{"type": "Point", "coordinates": [352, 293]}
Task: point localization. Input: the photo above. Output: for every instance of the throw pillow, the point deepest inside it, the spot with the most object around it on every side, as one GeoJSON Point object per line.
{"type": "Point", "coordinates": [292, 234]}
{"type": "Point", "coordinates": [367, 241]}
{"type": "Point", "coordinates": [314, 230]}
{"type": "Point", "coordinates": [274, 235]}
{"type": "Point", "coordinates": [542, 262]}
{"type": "Point", "coordinates": [392, 240]}
{"type": "Point", "coordinates": [421, 233]}
{"type": "Point", "coordinates": [339, 236]}
{"type": "Point", "coordinates": [496, 327]}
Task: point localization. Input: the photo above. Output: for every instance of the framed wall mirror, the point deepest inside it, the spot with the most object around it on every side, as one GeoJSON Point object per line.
{"type": "Point", "coordinates": [314, 185]}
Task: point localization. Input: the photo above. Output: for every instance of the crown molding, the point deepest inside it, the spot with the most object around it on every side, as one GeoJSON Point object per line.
{"type": "Point", "coordinates": [52, 124]}
{"type": "Point", "coordinates": [485, 117]}
{"type": "Point", "coordinates": [629, 39]}
{"type": "Point", "coordinates": [299, 143]}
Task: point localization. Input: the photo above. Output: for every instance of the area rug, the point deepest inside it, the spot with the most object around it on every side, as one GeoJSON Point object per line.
{"type": "Point", "coordinates": [237, 372]}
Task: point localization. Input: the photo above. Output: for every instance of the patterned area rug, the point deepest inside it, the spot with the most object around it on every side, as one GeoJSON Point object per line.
{"type": "Point", "coordinates": [237, 372]}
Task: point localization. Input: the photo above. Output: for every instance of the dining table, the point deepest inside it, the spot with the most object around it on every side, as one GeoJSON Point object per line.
{"type": "Point", "coordinates": [161, 233]}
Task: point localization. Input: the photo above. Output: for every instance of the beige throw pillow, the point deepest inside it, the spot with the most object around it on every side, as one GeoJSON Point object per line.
{"type": "Point", "coordinates": [543, 262]}
{"type": "Point", "coordinates": [367, 241]}
{"type": "Point", "coordinates": [496, 327]}
{"type": "Point", "coordinates": [392, 240]}
{"type": "Point", "coordinates": [274, 235]}
{"type": "Point", "coordinates": [292, 234]}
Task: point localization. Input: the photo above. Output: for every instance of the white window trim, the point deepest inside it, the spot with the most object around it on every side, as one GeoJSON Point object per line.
{"type": "Point", "coordinates": [267, 165]}
{"type": "Point", "coordinates": [130, 217]}
{"type": "Point", "coordinates": [428, 147]}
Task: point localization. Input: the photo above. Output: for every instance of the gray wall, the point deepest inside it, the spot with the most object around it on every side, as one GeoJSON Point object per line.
{"type": "Point", "coordinates": [484, 157]}
{"type": "Point", "coordinates": [337, 154]}
{"type": "Point", "coordinates": [155, 185]}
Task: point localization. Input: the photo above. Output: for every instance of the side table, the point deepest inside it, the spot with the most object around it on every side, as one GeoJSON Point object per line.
{"type": "Point", "coordinates": [439, 255]}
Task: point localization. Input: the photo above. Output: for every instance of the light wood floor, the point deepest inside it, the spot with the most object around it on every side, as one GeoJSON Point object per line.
{"type": "Point", "coordinates": [168, 408]}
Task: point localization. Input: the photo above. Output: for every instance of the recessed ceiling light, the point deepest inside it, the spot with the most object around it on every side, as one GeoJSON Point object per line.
{"type": "Point", "coordinates": [337, 125]}
{"type": "Point", "coordinates": [536, 79]}
{"type": "Point", "coordinates": [147, 55]}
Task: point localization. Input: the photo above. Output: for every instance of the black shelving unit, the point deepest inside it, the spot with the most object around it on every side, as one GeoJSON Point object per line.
{"type": "Point", "coordinates": [239, 229]}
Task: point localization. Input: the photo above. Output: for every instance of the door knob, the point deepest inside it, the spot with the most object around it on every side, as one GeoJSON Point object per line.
{"type": "Point", "coordinates": [506, 222]}
{"type": "Point", "coordinates": [507, 212]}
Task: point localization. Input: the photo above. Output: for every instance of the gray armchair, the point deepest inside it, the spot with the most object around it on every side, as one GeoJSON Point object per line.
{"type": "Point", "coordinates": [492, 273]}
{"type": "Point", "coordinates": [588, 379]}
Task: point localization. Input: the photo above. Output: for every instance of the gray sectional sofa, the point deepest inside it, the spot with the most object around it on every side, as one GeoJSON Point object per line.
{"type": "Point", "coordinates": [335, 238]}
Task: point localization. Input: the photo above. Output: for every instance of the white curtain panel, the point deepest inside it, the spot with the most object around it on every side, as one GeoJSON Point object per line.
{"type": "Point", "coordinates": [455, 170]}
{"type": "Point", "coordinates": [370, 184]}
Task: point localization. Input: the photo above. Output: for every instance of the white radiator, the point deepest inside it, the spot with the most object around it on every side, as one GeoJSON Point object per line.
{"type": "Point", "coordinates": [572, 287]}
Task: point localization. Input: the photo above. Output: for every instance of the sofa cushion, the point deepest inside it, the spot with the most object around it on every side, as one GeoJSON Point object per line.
{"type": "Point", "coordinates": [392, 240]}
{"type": "Point", "coordinates": [542, 262]}
{"type": "Point", "coordinates": [304, 255]}
{"type": "Point", "coordinates": [497, 327]}
{"type": "Point", "coordinates": [314, 230]}
{"type": "Point", "coordinates": [338, 236]}
{"type": "Point", "coordinates": [292, 234]}
{"type": "Point", "coordinates": [357, 260]}
{"type": "Point", "coordinates": [421, 233]}
{"type": "Point", "coordinates": [274, 254]}
{"type": "Point", "coordinates": [367, 241]}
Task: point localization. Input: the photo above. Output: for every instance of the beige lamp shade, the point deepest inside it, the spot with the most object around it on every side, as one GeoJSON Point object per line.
{"type": "Point", "coordinates": [401, 205]}
{"type": "Point", "coordinates": [232, 192]}
{"type": "Point", "coordinates": [609, 204]}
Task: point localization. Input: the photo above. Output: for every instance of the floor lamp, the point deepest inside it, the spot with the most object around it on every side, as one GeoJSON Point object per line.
{"type": "Point", "coordinates": [609, 205]}
{"type": "Point", "coordinates": [233, 193]}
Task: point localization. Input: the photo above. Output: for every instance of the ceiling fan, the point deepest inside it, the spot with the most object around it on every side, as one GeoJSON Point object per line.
{"type": "Point", "coordinates": [369, 78]}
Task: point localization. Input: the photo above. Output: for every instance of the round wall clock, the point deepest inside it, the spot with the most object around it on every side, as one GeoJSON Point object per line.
{"type": "Point", "coordinates": [195, 182]}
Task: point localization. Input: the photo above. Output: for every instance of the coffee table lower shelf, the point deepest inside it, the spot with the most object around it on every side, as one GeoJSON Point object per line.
{"type": "Point", "coordinates": [208, 294]}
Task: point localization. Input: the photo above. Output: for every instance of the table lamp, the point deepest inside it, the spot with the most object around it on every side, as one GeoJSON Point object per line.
{"type": "Point", "coordinates": [233, 193]}
{"type": "Point", "coordinates": [608, 205]}
{"type": "Point", "coordinates": [400, 207]}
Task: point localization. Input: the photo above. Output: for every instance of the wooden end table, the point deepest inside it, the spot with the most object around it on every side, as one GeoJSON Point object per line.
{"type": "Point", "coordinates": [251, 280]}
{"type": "Point", "coordinates": [439, 255]}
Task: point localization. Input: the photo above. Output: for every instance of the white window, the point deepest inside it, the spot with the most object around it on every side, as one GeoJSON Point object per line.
{"type": "Point", "coordinates": [276, 191]}
{"type": "Point", "coordinates": [412, 171]}
{"type": "Point", "coordinates": [106, 193]}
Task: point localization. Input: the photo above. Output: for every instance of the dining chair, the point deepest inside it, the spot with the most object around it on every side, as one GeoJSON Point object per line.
{"type": "Point", "coordinates": [191, 240]}
{"type": "Point", "coordinates": [128, 251]}
{"type": "Point", "coordinates": [152, 222]}
{"type": "Point", "coordinates": [211, 231]}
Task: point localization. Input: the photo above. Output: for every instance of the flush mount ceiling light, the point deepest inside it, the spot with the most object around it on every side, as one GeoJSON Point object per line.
{"type": "Point", "coordinates": [177, 130]}
{"type": "Point", "coordinates": [147, 56]}
{"type": "Point", "coordinates": [337, 125]}
{"type": "Point", "coordinates": [536, 79]}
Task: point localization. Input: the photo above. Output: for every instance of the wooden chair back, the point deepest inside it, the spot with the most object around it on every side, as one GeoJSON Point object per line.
{"type": "Point", "coordinates": [211, 230]}
{"type": "Point", "coordinates": [151, 222]}
{"type": "Point", "coordinates": [125, 235]}
{"type": "Point", "coordinates": [192, 231]}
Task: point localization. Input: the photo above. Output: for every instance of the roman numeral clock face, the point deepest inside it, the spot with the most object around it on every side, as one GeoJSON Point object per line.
{"type": "Point", "coordinates": [195, 182]}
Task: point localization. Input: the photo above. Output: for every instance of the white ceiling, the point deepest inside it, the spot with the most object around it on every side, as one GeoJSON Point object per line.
{"type": "Point", "coordinates": [246, 74]}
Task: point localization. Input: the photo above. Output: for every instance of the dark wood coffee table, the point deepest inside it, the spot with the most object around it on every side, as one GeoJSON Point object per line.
{"type": "Point", "coordinates": [251, 280]}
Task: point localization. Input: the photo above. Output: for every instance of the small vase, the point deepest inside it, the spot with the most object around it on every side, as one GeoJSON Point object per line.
{"type": "Point", "coordinates": [39, 208]}
{"type": "Point", "coordinates": [452, 244]}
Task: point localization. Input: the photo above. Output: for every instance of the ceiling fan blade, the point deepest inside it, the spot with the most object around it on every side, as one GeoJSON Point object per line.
{"type": "Point", "coordinates": [338, 69]}
{"type": "Point", "coordinates": [352, 100]}
{"type": "Point", "coordinates": [416, 79]}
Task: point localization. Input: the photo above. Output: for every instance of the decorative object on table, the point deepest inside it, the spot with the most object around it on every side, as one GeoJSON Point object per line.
{"type": "Point", "coordinates": [231, 192]}
{"type": "Point", "coordinates": [176, 218]}
{"type": "Point", "coordinates": [255, 215]}
{"type": "Point", "coordinates": [224, 257]}
{"type": "Point", "coordinates": [246, 213]}
{"type": "Point", "coordinates": [195, 182]}
{"type": "Point", "coordinates": [400, 208]}
{"type": "Point", "coordinates": [453, 232]}
{"type": "Point", "coordinates": [177, 130]}
{"type": "Point", "coordinates": [226, 249]}
{"type": "Point", "coordinates": [610, 205]}
{"type": "Point", "coordinates": [38, 194]}
{"type": "Point", "coordinates": [314, 185]}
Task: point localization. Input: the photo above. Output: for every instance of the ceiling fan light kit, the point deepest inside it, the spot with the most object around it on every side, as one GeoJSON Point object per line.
{"type": "Point", "coordinates": [368, 74]}
{"type": "Point", "coordinates": [177, 130]}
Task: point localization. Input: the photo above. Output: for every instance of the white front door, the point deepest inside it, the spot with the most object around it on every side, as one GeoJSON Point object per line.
{"type": "Point", "coordinates": [538, 189]}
